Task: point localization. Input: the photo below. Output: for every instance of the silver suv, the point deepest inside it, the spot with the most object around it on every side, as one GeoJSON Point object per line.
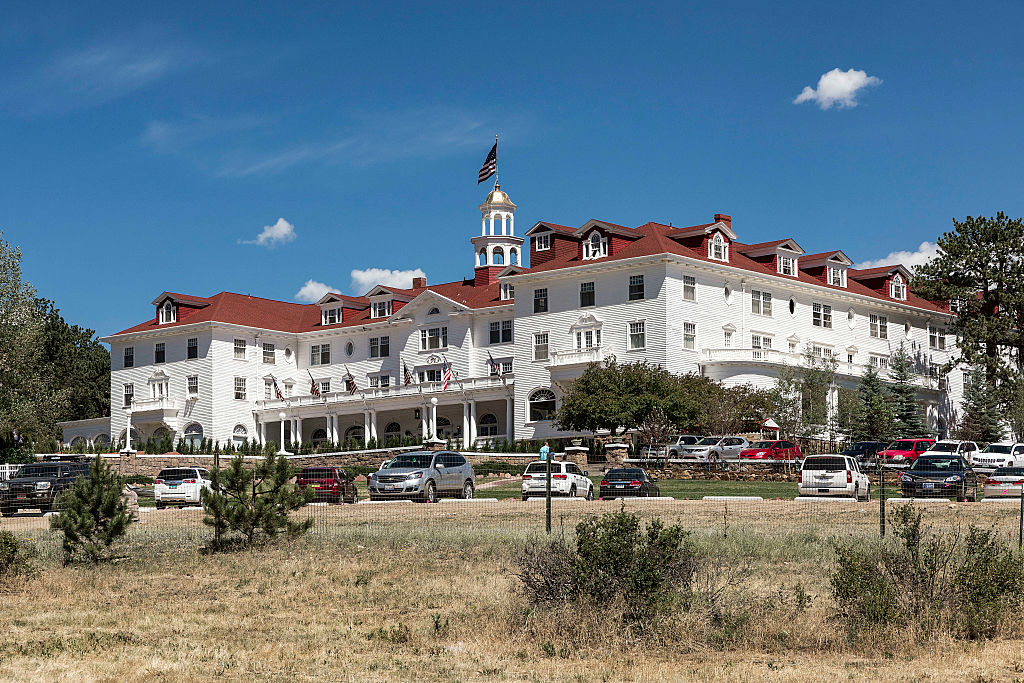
{"type": "Point", "coordinates": [423, 476]}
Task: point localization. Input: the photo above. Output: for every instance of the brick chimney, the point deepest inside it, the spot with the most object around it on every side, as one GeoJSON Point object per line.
{"type": "Point", "coordinates": [419, 282]}
{"type": "Point", "coordinates": [724, 218]}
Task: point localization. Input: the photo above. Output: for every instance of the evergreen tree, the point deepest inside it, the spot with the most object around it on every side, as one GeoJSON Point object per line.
{"type": "Point", "coordinates": [255, 502]}
{"type": "Point", "coordinates": [93, 513]}
{"type": "Point", "coordinates": [875, 417]}
{"type": "Point", "coordinates": [979, 418]}
{"type": "Point", "coordinates": [908, 418]}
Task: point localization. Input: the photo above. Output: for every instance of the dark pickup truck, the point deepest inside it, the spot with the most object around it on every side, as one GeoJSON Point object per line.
{"type": "Point", "coordinates": [38, 485]}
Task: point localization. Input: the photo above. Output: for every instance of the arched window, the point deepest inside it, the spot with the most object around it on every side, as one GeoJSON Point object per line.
{"type": "Point", "coordinates": [717, 248]}
{"type": "Point", "coordinates": [393, 430]}
{"type": "Point", "coordinates": [488, 425]}
{"type": "Point", "coordinates": [898, 288]}
{"type": "Point", "coordinates": [434, 311]}
{"type": "Point", "coordinates": [542, 405]}
{"type": "Point", "coordinates": [160, 433]}
{"type": "Point", "coordinates": [77, 441]}
{"type": "Point", "coordinates": [319, 437]}
{"type": "Point", "coordinates": [135, 437]}
{"type": "Point", "coordinates": [102, 440]}
{"type": "Point", "coordinates": [513, 257]}
{"type": "Point", "coordinates": [498, 257]}
{"type": "Point", "coordinates": [168, 314]}
{"type": "Point", "coordinates": [444, 427]}
{"type": "Point", "coordinates": [239, 436]}
{"type": "Point", "coordinates": [354, 433]}
{"type": "Point", "coordinates": [194, 434]}
{"type": "Point", "coordinates": [595, 246]}
{"type": "Point", "coordinates": [482, 258]}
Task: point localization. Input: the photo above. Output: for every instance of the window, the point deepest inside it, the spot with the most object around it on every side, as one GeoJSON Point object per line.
{"type": "Point", "coordinates": [380, 309]}
{"type": "Point", "coordinates": [760, 303]}
{"type": "Point", "coordinates": [540, 346]}
{"type": "Point", "coordinates": [849, 358]}
{"type": "Point", "coordinates": [837, 276]}
{"type": "Point", "coordinates": [792, 347]}
{"type": "Point", "coordinates": [542, 405]}
{"type": "Point", "coordinates": [637, 335]}
{"type": "Point", "coordinates": [268, 389]}
{"type": "Point", "coordinates": [508, 292]}
{"type": "Point", "coordinates": [937, 338]}
{"type": "Point", "coordinates": [787, 265]}
{"type": "Point", "coordinates": [380, 347]}
{"type": "Point", "coordinates": [761, 344]}
{"type": "Point", "coordinates": [168, 313]}
{"type": "Point", "coordinates": [878, 326]}
{"type": "Point", "coordinates": [240, 388]}
{"type": "Point", "coordinates": [718, 250]}
{"type": "Point", "coordinates": [540, 300]}
{"type": "Point", "coordinates": [587, 339]}
{"type": "Point", "coordinates": [690, 336]}
{"type": "Point", "coordinates": [268, 354]}
{"type": "Point", "coordinates": [501, 332]}
{"type": "Point", "coordinates": [434, 338]}
{"type": "Point", "coordinates": [822, 351]}
{"type": "Point", "coordinates": [636, 287]}
{"type": "Point", "coordinates": [898, 288]}
{"type": "Point", "coordinates": [430, 376]}
{"type": "Point", "coordinates": [492, 370]}
{"type": "Point", "coordinates": [193, 385]}
{"type": "Point", "coordinates": [586, 294]}
{"type": "Point", "coordinates": [689, 288]}
{"type": "Point", "coordinates": [880, 362]}
{"type": "Point", "coordinates": [330, 316]}
{"type": "Point", "coordinates": [434, 311]}
{"type": "Point", "coordinates": [192, 348]}
{"type": "Point", "coordinates": [392, 431]}
{"type": "Point", "coordinates": [542, 242]}
{"type": "Point", "coordinates": [384, 380]}
{"type": "Point", "coordinates": [129, 395]}
{"type": "Point", "coordinates": [821, 315]}
{"type": "Point", "coordinates": [595, 247]}
{"type": "Point", "coordinates": [320, 354]}
{"type": "Point", "coordinates": [727, 339]}
{"type": "Point", "coordinates": [488, 425]}
{"type": "Point", "coordinates": [325, 386]}
{"type": "Point", "coordinates": [240, 349]}
{"type": "Point", "coordinates": [129, 356]}
{"type": "Point", "coordinates": [160, 353]}
{"type": "Point", "coordinates": [194, 434]}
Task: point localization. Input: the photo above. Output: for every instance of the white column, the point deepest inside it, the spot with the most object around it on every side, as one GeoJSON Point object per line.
{"type": "Point", "coordinates": [282, 438]}
{"type": "Point", "coordinates": [298, 429]}
{"type": "Point", "coordinates": [433, 419]}
{"type": "Point", "coordinates": [472, 421]}
{"type": "Point", "coordinates": [483, 226]}
{"type": "Point", "coordinates": [512, 224]}
{"type": "Point", "coordinates": [332, 428]}
{"type": "Point", "coordinates": [424, 420]}
{"type": "Point", "coordinates": [263, 433]}
{"type": "Point", "coordinates": [504, 224]}
{"type": "Point", "coordinates": [366, 425]}
{"type": "Point", "coordinates": [465, 423]}
{"type": "Point", "coordinates": [509, 431]}
{"type": "Point", "coordinates": [492, 224]}
{"type": "Point", "coordinates": [373, 424]}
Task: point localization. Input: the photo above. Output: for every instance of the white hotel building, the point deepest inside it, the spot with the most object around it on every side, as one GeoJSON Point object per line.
{"type": "Point", "coordinates": [691, 299]}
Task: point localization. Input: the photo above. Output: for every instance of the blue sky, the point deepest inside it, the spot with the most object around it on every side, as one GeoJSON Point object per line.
{"type": "Point", "coordinates": [147, 148]}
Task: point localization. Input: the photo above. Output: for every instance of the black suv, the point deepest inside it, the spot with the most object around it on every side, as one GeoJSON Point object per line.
{"type": "Point", "coordinates": [38, 485]}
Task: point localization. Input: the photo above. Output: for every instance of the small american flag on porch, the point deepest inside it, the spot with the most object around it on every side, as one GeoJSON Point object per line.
{"type": "Point", "coordinates": [314, 386]}
{"type": "Point", "coordinates": [447, 376]}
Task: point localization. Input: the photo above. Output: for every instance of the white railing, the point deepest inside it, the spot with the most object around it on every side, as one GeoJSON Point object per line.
{"type": "Point", "coordinates": [7, 471]}
{"type": "Point", "coordinates": [399, 391]}
{"type": "Point", "coordinates": [577, 356]}
{"type": "Point", "coordinates": [162, 403]}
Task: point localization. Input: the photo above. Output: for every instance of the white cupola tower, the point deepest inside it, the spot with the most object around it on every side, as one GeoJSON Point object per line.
{"type": "Point", "coordinates": [497, 245]}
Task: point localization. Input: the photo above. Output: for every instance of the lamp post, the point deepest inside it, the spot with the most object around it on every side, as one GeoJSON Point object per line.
{"type": "Point", "coordinates": [282, 415]}
{"type": "Point", "coordinates": [433, 417]}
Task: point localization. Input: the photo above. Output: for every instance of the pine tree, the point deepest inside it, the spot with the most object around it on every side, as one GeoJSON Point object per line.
{"type": "Point", "coordinates": [875, 415]}
{"type": "Point", "coordinates": [980, 419]}
{"type": "Point", "coordinates": [909, 421]}
{"type": "Point", "coordinates": [255, 502]}
{"type": "Point", "coordinates": [93, 513]}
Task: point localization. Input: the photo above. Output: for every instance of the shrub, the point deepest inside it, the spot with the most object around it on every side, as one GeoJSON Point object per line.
{"type": "Point", "coordinates": [92, 513]}
{"type": "Point", "coordinates": [16, 558]}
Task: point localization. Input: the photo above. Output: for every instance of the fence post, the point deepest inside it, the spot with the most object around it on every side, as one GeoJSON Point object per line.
{"type": "Point", "coordinates": [547, 495]}
{"type": "Point", "coordinates": [881, 498]}
{"type": "Point", "coordinates": [1020, 523]}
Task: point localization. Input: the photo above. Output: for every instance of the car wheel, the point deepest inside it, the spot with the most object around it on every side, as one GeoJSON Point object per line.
{"type": "Point", "coordinates": [525, 498]}
{"type": "Point", "coordinates": [572, 491]}
{"type": "Point", "coordinates": [355, 496]}
{"type": "Point", "coordinates": [972, 496]}
{"type": "Point", "coordinates": [867, 495]}
{"type": "Point", "coordinates": [160, 506]}
{"type": "Point", "coordinates": [430, 493]}
{"type": "Point", "coordinates": [590, 493]}
{"type": "Point", "coordinates": [467, 491]}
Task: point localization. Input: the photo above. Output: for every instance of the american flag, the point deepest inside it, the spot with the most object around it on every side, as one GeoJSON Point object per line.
{"type": "Point", "coordinates": [495, 366]}
{"type": "Point", "coordinates": [350, 383]}
{"type": "Point", "coordinates": [490, 165]}
{"type": "Point", "coordinates": [447, 376]}
{"type": "Point", "coordinates": [314, 386]}
{"type": "Point", "coordinates": [277, 389]}
{"type": "Point", "coordinates": [408, 375]}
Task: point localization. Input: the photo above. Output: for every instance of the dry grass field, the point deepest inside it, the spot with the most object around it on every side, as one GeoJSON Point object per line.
{"type": "Point", "coordinates": [417, 592]}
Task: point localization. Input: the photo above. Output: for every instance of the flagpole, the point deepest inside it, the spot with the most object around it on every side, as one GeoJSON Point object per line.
{"type": "Point", "coordinates": [495, 161]}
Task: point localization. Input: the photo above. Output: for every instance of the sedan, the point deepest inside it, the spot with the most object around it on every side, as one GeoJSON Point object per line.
{"type": "Point", "coordinates": [628, 481]}
{"type": "Point", "coordinates": [771, 450]}
{"type": "Point", "coordinates": [1005, 482]}
{"type": "Point", "coordinates": [942, 476]}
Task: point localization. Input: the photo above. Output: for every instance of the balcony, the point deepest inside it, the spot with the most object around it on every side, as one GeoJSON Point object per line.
{"type": "Point", "coordinates": [158, 409]}
{"type": "Point", "coordinates": [576, 357]}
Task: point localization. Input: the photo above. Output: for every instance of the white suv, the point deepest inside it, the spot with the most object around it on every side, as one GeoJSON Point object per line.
{"type": "Point", "coordinates": [180, 486]}
{"type": "Point", "coordinates": [833, 475]}
{"type": "Point", "coordinates": [968, 450]}
{"type": "Point", "coordinates": [567, 479]}
{"type": "Point", "coordinates": [1000, 454]}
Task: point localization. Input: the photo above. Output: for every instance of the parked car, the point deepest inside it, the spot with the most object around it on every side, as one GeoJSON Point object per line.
{"type": "Point", "coordinates": [567, 479]}
{"type": "Point", "coordinates": [423, 476]}
{"type": "Point", "coordinates": [677, 443]}
{"type": "Point", "coordinates": [903, 451]}
{"type": "Point", "coordinates": [1001, 454]}
{"type": "Point", "coordinates": [771, 450]}
{"type": "Point", "coordinates": [864, 451]}
{"type": "Point", "coordinates": [715, 448]}
{"type": "Point", "coordinates": [944, 476]}
{"type": "Point", "coordinates": [968, 450]}
{"type": "Point", "coordinates": [332, 484]}
{"type": "Point", "coordinates": [180, 486]}
{"type": "Point", "coordinates": [37, 486]}
{"type": "Point", "coordinates": [628, 481]}
{"type": "Point", "coordinates": [833, 475]}
{"type": "Point", "coordinates": [1004, 482]}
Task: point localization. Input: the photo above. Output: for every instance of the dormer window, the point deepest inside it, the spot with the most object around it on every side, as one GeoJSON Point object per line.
{"type": "Point", "coordinates": [168, 312]}
{"type": "Point", "coordinates": [718, 249]}
{"type": "Point", "coordinates": [330, 316]}
{"type": "Point", "coordinates": [380, 309]}
{"type": "Point", "coordinates": [595, 247]}
{"type": "Point", "coordinates": [787, 265]}
{"type": "Point", "coordinates": [508, 291]}
{"type": "Point", "coordinates": [836, 276]}
{"type": "Point", "coordinates": [434, 311]}
{"type": "Point", "coordinates": [898, 288]}
{"type": "Point", "coordinates": [542, 242]}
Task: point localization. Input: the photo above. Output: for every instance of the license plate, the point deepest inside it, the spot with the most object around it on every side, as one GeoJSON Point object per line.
{"type": "Point", "coordinates": [390, 487]}
{"type": "Point", "coordinates": [316, 486]}
{"type": "Point", "coordinates": [172, 486]}
{"type": "Point", "coordinates": [22, 496]}
{"type": "Point", "coordinates": [620, 486]}
{"type": "Point", "coordinates": [822, 490]}
{"type": "Point", "coordinates": [927, 485]}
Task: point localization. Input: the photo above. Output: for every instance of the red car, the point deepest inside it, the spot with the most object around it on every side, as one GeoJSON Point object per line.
{"type": "Point", "coordinates": [332, 484]}
{"type": "Point", "coordinates": [905, 450]}
{"type": "Point", "coordinates": [772, 450]}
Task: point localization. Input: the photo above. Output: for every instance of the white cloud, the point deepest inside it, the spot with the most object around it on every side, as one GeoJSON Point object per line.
{"type": "Point", "coordinates": [279, 233]}
{"type": "Point", "coordinates": [918, 257]}
{"type": "Point", "coordinates": [839, 88]}
{"type": "Point", "coordinates": [364, 280]}
{"type": "Point", "coordinates": [313, 290]}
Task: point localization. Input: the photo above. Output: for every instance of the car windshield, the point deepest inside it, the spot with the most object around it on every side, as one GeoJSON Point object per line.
{"type": "Point", "coordinates": [901, 446]}
{"type": "Point", "coordinates": [38, 471]}
{"type": "Point", "coordinates": [317, 473]}
{"type": "Point", "coordinates": [944, 447]}
{"type": "Point", "coordinates": [709, 441]}
{"type": "Point", "coordinates": [625, 474]}
{"type": "Point", "coordinates": [819, 464]}
{"type": "Point", "coordinates": [685, 440]}
{"type": "Point", "coordinates": [411, 460]}
{"type": "Point", "coordinates": [1008, 472]}
{"type": "Point", "coordinates": [998, 448]}
{"type": "Point", "coordinates": [176, 474]}
{"type": "Point", "coordinates": [762, 444]}
{"type": "Point", "coordinates": [937, 465]}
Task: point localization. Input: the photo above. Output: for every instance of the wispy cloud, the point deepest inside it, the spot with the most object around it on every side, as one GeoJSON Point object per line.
{"type": "Point", "coordinates": [917, 257]}
{"type": "Point", "coordinates": [312, 291]}
{"type": "Point", "coordinates": [279, 233]}
{"type": "Point", "coordinates": [178, 137]}
{"type": "Point", "coordinates": [364, 280]}
{"type": "Point", "coordinates": [837, 88]}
